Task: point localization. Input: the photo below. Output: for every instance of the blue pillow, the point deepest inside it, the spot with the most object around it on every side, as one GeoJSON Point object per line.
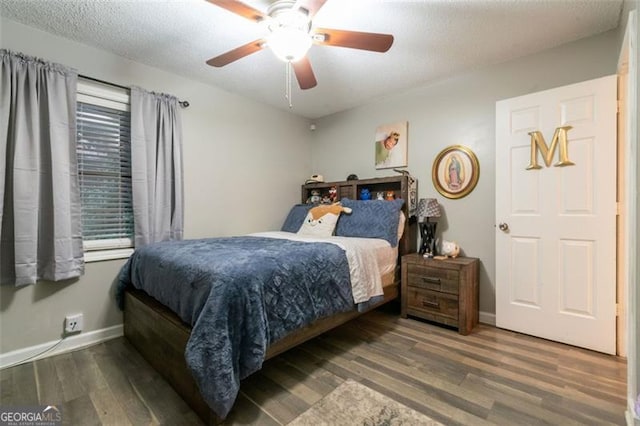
{"type": "Point", "coordinates": [296, 216]}
{"type": "Point", "coordinates": [371, 219]}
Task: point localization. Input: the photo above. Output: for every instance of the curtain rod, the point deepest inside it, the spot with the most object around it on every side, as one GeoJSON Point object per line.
{"type": "Point", "coordinates": [183, 104]}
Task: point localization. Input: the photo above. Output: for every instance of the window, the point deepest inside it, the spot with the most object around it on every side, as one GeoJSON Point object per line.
{"type": "Point", "coordinates": [104, 167]}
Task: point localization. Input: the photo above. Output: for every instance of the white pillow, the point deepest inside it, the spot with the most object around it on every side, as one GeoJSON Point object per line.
{"type": "Point", "coordinates": [321, 220]}
{"type": "Point", "coordinates": [403, 218]}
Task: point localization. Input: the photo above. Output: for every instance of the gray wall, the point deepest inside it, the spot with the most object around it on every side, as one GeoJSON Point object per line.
{"type": "Point", "coordinates": [236, 180]}
{"type": "Point", "coordinates": [459, 110]}
{"type": "Point", "coordinates": [232, 143]}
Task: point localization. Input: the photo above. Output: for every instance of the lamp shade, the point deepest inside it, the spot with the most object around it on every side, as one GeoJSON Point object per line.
{"type": "Point", "coordinates": [427, 208]}
{"type": "Point", "coordinates": [433, 208]}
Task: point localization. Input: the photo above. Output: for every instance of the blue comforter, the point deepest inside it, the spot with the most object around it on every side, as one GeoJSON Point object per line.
{"type": "Point", "coordinates": [239, 294]}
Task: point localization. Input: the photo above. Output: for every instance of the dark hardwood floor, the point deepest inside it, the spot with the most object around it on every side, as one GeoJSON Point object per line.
{"type": "Point", "coordinates": [492, 376]}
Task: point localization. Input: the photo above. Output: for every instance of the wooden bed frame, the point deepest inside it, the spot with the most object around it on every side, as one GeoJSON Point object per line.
{"type": "Point", "coordinates": [161, 336]}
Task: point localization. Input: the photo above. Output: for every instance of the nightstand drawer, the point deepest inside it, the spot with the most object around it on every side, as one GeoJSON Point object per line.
{"type": "Point", "coordinates": [433, 302]}
{"type": "Point", "coordinates": [445, 280]}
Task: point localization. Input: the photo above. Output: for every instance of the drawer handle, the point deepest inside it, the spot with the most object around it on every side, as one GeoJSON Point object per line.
{"type": "Point", "coordinates": [430, 303]}
{"type": "Point", "coordinates": [431, 280]}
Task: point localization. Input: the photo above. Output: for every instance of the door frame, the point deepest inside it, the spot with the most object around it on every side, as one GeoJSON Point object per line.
{"type": "Point", "coordinates": [629, 208]}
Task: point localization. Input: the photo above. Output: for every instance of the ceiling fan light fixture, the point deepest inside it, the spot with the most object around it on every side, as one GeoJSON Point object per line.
{"type": "Point", "coordinates": [289, 44]}
{"type": "Point", "coordinates": [289, 37]}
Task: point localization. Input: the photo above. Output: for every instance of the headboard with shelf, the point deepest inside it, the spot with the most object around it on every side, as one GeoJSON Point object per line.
{"type": "Point", "coordinates": [351, 189]}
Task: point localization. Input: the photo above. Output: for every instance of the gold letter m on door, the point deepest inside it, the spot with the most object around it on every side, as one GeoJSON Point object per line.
{"type": "Point", "coordinates": [538, 143]}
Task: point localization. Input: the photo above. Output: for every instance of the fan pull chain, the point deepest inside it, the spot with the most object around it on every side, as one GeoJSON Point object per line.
{"type": "Point", "coordinates": [287, 94]}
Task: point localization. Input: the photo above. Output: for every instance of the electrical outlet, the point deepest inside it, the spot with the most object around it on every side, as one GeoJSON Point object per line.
{"type": "Point", "coordinates": [73, 323]}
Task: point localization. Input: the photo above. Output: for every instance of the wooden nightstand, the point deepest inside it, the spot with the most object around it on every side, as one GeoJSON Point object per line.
{"type": "Point", "coordinates": [443, 291]}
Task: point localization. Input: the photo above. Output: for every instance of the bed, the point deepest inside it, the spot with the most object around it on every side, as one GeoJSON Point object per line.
{"type": "Point", "coordinates": [206, 313]}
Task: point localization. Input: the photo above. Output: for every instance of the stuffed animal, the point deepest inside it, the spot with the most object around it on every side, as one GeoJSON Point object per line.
{"type": "Point", "coordinates": [365, 194]}
{"type": "Point", "coordinates": [380, 195]}
{"type": "Point", "coordinates": [450, 249]}
{"type": "Point", "coordinates": [321, 220]}
{"type": "Point", "coordinates": [333, 194]}
{"type": "Point", "coordinates": [390, 196]}
{"type": "Point", "coordinates": [315, 197]}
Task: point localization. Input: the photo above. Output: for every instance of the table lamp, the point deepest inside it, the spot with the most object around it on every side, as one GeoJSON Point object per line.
{"type": "Point", "coordinates": [428, 208]}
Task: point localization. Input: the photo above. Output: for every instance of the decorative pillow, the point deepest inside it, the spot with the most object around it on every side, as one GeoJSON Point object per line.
{"type": "Point", "coordinates": [321, 220]}
{"type": "Point", "coordinates": [296, 217]}
{"type": "Point", "coordinates": [371, 219]}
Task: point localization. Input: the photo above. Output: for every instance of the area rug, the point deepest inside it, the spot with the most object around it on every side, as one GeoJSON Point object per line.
{"type": "Point", "coordinates": [354, 404]}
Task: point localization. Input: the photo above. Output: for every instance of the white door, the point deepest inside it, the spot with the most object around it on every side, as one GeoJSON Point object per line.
{"type": "Point", "coordinates": [556, 226]}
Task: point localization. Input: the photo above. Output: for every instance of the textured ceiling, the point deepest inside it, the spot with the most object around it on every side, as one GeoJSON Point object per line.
{"type": "Point", "coordinates": [433, 39]}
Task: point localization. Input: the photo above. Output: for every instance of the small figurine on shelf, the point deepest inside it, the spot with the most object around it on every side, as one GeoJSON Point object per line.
{"type": "Point", "coordinates": [380, 195]}
{"type": "Point", "coordinates": [325, 199]}
{"type": "Point", "coordinates": [390, 196]}
{"type": "Point", "coordinates": [314, 198]}
{"type": "Point", "coordinates": [333, 194]}
{"type": "Point", "coordinates": [365, 194]}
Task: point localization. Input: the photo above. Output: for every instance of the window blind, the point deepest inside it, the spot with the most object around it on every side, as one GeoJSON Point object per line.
{"type": "Point", "coordinates": [104, 163]}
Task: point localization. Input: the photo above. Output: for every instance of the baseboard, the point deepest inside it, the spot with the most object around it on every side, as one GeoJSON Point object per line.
{"type": "Point", "coordinates": [68, 344]}
{"type": "Point", "coordinates": [630, 414]}
{"type": "Point", "coordinates": [488, 318]}
{"type": "Point", "coordinates": [631, 419]}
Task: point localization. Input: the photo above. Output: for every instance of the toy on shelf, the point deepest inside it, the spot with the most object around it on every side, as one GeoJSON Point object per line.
{"type": "Point", "coordinates": [380, 195]}
{"type": "Point", "coordinates": [390, 196]}
{"type": "Point", "coordinates": [333, 194]}
{"type": "Point", "coordinates": [365, 194]}
{"type": "Point", "coordinates": [314, 198]}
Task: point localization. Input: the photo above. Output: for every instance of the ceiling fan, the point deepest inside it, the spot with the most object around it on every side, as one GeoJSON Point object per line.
{"type": "Point", "coordinates": [290, 34]}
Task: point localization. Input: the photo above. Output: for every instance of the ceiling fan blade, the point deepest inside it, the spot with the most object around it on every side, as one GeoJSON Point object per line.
{"type": "Point", "coordinates": [240, 8]}
{"type": "Point", "coordinates": [237, 53]}
{"type": "Point", "coordinates": [304, 73]}
{"type": "Point", "coordinates": [354, 39]}
{"type": "Point", "coordinates": [312, 6]}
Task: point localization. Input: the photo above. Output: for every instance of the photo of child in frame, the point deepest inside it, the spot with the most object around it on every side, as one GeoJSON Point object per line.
{"type": "Point", "coordinates": [391, 145]}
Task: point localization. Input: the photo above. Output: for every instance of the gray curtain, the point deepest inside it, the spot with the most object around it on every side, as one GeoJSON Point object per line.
{"type": "Point", "coordinates": [156, 167]}
{"type": "Point", "coordinates": [40, 211]}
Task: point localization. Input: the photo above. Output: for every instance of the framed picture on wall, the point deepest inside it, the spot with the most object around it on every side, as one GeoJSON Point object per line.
{"type": "Point", "coordinates": [391, 145]}
{"type": "Point", "coordinates": [455, 171]}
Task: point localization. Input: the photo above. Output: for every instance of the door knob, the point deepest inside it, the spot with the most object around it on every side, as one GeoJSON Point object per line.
{"type": "Point", "coordinates": [503, 227]}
